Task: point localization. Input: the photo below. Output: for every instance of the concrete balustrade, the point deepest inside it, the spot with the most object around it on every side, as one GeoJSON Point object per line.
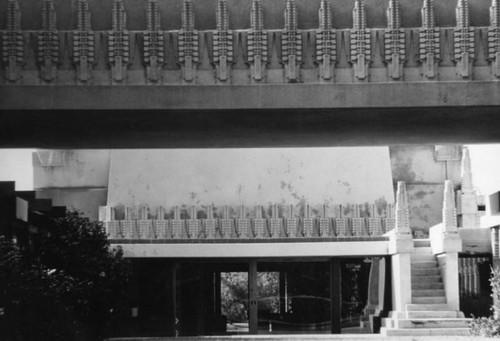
{"type": "Point", "coordinates": [194, 224]}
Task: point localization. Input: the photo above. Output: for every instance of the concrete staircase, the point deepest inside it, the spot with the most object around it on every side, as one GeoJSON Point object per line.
{"type": "Point", "coordinates": [428, 314]}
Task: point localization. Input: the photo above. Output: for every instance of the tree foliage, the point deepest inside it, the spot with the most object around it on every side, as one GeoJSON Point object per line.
{"type": "Point", "coordinates": [234, 294]}
{"type": "Point", "coordinates": [490, 326]}
{"type": "Point", "coordinates": [71, 287]}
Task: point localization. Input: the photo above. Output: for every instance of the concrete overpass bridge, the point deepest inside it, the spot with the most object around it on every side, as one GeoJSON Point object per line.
{"type": "Point", "coordinates": [225, 74]}
{"type": "Point", "coordinates": [201, 74]}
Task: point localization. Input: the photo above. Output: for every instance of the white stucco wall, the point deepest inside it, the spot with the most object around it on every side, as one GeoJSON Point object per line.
{"type": "Point", "coordinates": [250, 177]}
{"type": "Point", "coordinates": [78, 168]}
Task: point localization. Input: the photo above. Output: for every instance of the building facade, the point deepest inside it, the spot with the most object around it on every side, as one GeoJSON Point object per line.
{"type": "Point", "coordinates": [272, 74]}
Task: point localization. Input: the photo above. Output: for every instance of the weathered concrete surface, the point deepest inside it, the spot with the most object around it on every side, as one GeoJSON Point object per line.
{"type": "Point", "coordinates": [29, 72]}
{"type": "Point", "coordinates": [79, 180]}
{"type": "Point", "coordinates": [424, 177]}
{"type": "Point", "coordinates": [264, 96]}
{"type": "Point", "coordinates": [85, 200]}
{"type": "Point", "coordinates": [250, 177]}
{"type": "Point", "coordinates": [254, 250]}
{"type": "Point", "coordinates": [248, 128]}
{"type": "Point", "coordinates": [475, 240]}
{"type": "Point", "coordinates": [79, 168]}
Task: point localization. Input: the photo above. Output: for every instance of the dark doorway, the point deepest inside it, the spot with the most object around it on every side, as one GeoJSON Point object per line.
{"type": "Point", "coordinates": [235, 297]}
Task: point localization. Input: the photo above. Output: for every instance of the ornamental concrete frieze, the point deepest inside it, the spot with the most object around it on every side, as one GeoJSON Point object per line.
{"type": "Point", "coordinates": [300, 47]}
{"type": "Point", "coordinates": [350, 222]}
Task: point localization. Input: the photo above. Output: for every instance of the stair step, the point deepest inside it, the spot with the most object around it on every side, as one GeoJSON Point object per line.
{"type": "Point", "coordinates": [424, 265]}
{"type": "Point", "coordinates": [427, 307]}
{"type": "Point", "coordinates": [426, 272]}
{"type": "Point", "coordinates": [425, 332]}
{"type": "Point", "coordinates": [432, 323]}
{"type": "Point", "coordinates": [422, 257]}
{"type": "Point", "coordinates": [426, 279]}
{"type": "Point", "coordinates": [428, 285]}
{"type": "Point", "coordinates": [422, 250]}
{"type": "Point", "coordinates": [428, 293]}
{"type": "Point", "coordinates": [428, 300]}
{"type": "Point", "coordinates": [421, 243]}
{"type": "Point", "coordinates": [433, 314]}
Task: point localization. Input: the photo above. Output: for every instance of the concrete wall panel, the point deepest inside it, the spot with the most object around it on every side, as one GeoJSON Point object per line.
{"type": "Point", "coordinates": [416, 164]}
{"type": "Point", "coordinates": [86, 201]}
{"type": "Point", "coordinates": [78, 168]}
{"type": "Point", "coordinates": [426, 203]}
{"type": "Point", "coordinates": [250, 177]}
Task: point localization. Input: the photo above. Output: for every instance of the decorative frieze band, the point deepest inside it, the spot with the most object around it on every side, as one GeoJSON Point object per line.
{"type": "Point", "coordinates": [119, 43]}
{"type": "Point", "coordinates": [291, 43]}
{"type": "Point", "coordinates": [188, 47]}
{"type": "Point", "coordinates": [360, 42]}
{"type": "Point", "coordinates": [326, 42]}
{"type": "Point", "coordinates": [463, 40]}
{"type": "Point", "coordinates": [222, 42]}
{"type": "Point", "coordinates": [394, 41]}
{"type": "Point", "coordinates": [48, 43]}
{"type": "Point", "coordinates": [494, 38]}
{"type": "Point", "coordinates": [257, 42]}
{"type": "Point", "coordinates": [162, 52]}
{"type": "Point", "coordinates": [83, 43]}
{"type": "Point", "coordinates": [154, 47]}
{"type": "Point", "coordinates": [188, 223]}
{"type": "Point", "coordinates": [13, 42]}
{"type": "Point", "coordinates": [429, 42]}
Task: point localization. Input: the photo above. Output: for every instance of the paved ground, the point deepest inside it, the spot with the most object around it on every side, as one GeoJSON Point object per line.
{"type": "Point", "coordinates": [347, 337]}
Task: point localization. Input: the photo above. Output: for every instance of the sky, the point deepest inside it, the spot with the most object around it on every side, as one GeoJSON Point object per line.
{"type": "Point", "coordinates": [485, 164]}
{"type": "Point", "coordinates": [16, 165]}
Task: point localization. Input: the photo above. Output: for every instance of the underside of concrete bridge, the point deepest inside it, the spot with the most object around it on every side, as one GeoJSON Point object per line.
{"type": "Point", "coordinates": [188, 128]}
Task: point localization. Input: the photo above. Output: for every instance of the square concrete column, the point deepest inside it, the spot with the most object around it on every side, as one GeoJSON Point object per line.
{"type": "Point", "coordinates": [401, 280]}
{"type": "Point", "coordinates": [401, 247]}
{"type": "Point", "coordinates": [445, 244]}
{"type": "Point", "coordinates": [448, 263]}
{"type": "Point", "coordinates": [253, 298]}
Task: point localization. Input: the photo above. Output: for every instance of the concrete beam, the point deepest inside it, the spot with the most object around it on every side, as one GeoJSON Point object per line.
{"type": "Point", "coordinates": [265, 96]}
{"type": "Point", "coordinates": [255, 250]}
{"type": "Point", "coordinates": [105, 129]}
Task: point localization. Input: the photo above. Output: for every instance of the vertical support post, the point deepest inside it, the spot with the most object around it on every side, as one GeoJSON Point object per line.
{"type": "Point", "coordinates": [401, 280]}
{"type": "Point", "coordinates": [401, 247]}
{"type": "Point", "coordinates": [373, 299]}
{"type": "Point", "coordinates": [172, 301]}
{"type": "Point", "coordinates": [217, 294]}
{"type": "Point", "coordinates": [475, 276]}
{"type": "Point", "coordinates": [283, 302]}
{"type": "Point", "coordinates": [448, 262]}
{"type": "Point", "coordinates": [253, 296]}
{"type": "Point", "coordinates": [445, 244]}
{"type": "Point", "coordinates": [335, 295]}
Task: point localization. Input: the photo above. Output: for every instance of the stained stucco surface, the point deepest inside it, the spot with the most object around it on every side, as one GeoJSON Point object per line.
{"type": "Point", "coordinates": [250, 177]}
{"type": "Point", "coordinates": [424, 178]}
{"type": "Point", "coordinates": [79, 168]}
{"type": "Point", "coordinates": [85, 200]}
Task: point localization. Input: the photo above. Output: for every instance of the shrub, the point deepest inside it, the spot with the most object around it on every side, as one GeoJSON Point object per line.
{"type": "Point", "coordinates": [485, 326]}
{"type": "Point", "coordinates": [490, 326]}
{"type": "Point", "coordinates": [71, 287]}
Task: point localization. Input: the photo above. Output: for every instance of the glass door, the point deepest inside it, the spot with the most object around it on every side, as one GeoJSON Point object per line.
{"type": "Point", "coordinates": [234, 301]}
{"type": "Point", "coordinates": [293, 298]}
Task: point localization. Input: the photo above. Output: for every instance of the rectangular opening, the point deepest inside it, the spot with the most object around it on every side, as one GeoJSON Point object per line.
{"type": "Point", "coordinates": [234, 301]}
